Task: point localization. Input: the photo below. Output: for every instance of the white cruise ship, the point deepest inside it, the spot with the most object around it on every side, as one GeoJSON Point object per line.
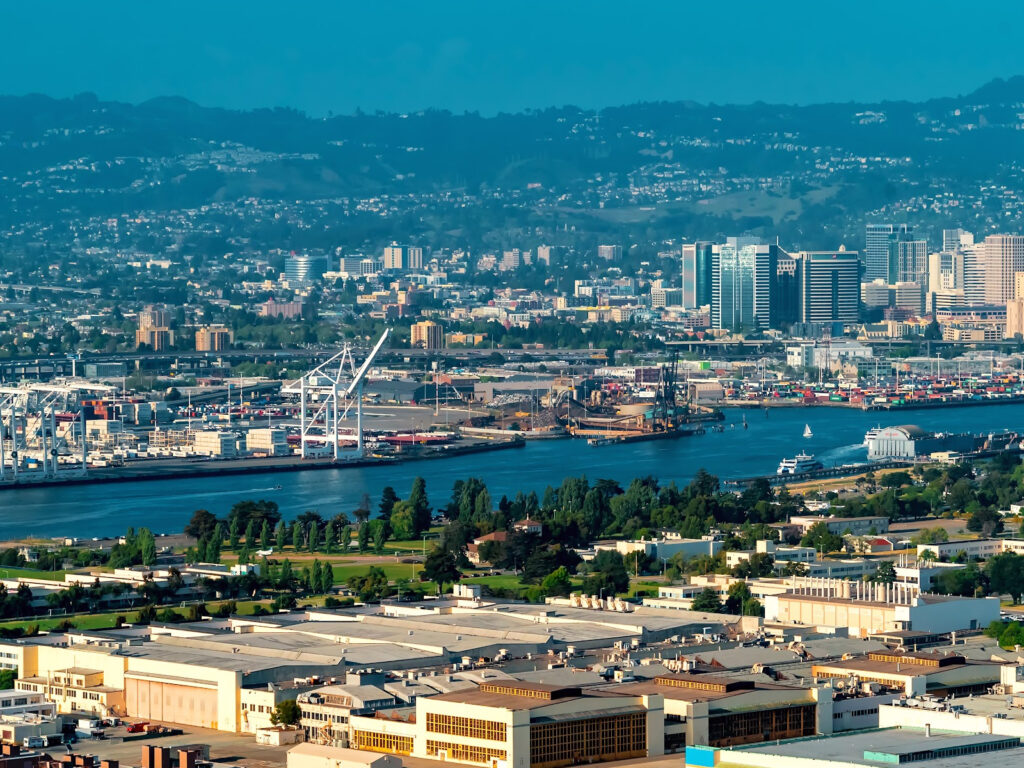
{"type": "Point", "coordinates": [804, 462]}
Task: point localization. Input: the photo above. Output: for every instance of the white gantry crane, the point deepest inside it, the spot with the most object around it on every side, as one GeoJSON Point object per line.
{"type": "Point", "coordinates": [327, 395]}
{"type": "Point", "coordinates": [41, 425]}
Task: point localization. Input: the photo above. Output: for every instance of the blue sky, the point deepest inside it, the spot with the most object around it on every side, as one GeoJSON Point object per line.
{"type": "Point", "coordinates": [491, 56]}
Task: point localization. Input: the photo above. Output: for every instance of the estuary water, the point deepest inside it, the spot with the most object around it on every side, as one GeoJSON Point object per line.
{"type": "Point", "coordinates": [166, 505]}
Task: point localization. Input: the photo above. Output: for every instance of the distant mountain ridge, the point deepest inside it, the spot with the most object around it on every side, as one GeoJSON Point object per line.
{"type": "Point", "coordinates": [831, 165]}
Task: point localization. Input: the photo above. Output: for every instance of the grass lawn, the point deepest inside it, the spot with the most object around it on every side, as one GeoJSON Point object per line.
{"type": "Point", "coordinates": [511, 582]}
{"type": "Point", "coordinates": [30, 573]}
{"type": "Point", "coordinates": [505, 581]}
{"type": "Point", "coordinates": [107, 620]}
{"type": "Point", "coordinates": [86, 621]}
{"type": "Point", "coordinates": [648, 587]}
{"type": "Point", "coordinates": [394, 571]}
{"type": "Point", "coordinates": [415, 545]}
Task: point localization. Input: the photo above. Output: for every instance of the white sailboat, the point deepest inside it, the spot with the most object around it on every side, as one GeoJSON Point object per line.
{"type": "Point", "coordinates": [807, 431]}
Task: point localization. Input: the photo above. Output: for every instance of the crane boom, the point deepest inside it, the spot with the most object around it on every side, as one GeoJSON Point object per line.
{"type": "Point", "coordinates": [367, 362]}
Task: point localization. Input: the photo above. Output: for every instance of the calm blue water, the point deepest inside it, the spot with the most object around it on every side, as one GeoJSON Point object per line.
{"type": "Point", "coordinates": [166, 505]}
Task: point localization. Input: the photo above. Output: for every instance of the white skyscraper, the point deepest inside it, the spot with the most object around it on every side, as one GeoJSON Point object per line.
{"type": "Point", "coordinates": [945, 271]}
{"type": "Point", "coordinates": [1003, 257]}
{"type": "Point", "coordinates": [974, 274]}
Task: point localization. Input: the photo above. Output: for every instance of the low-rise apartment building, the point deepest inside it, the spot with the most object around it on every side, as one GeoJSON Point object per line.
{"type": "Point", "coordinates": [858, 526]}
{"type": "Point", "coordinates": [973, 549]}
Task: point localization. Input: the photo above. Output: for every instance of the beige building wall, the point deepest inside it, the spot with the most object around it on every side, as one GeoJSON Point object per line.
{"type": "Point", "coordinates": [1014, 317]}
{"type": "Point", "coordinates": [861, 619]}
{"type": "Point", "coordinates": [174, 692]}
{"type": "Point", "coordinates": [511, 751]}
{"type": "Point", "coordinates": [1004, 258]}
{"type": "Point", "coordinates": [514, 750]}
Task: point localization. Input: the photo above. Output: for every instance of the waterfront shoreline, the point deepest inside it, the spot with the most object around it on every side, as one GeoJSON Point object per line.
{"type": "Point", "coordinates": [876, 407]}
{"type": "Point", "coordinates": [175, 470]}
{"type": "Point", "coordinates": [838, 435]}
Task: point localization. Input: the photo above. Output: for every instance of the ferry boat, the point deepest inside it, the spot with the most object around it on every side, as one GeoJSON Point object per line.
{"type": "Point", "coordinates": [804, 462]}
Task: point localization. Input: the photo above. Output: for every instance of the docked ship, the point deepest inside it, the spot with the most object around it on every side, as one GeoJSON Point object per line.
{"type": "Point", "coordinates": [804, 462]}
{"type": "Point", "coordinates": [871, 434]}
{"type": "Point", "coordinates": [910, 443]}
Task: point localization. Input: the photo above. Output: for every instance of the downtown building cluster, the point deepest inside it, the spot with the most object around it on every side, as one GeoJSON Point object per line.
{"type": "Point", "coordinates": [976, 287]}
{"type": "Point", "coordinates": [755, 286]}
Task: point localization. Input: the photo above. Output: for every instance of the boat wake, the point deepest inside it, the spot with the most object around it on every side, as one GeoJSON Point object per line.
{"type": "Point", "coordinates": [844, 454]}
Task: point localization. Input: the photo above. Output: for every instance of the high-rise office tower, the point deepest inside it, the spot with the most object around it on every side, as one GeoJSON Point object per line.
{"type": "Point", "coordinates": [413, 257]}
{"type": "Point", "coordinates": [696, 274]}
{"type": "Point", "coordinates": [1014, 319]}
{"type": "Point", "coordinates": [545, 252]}
{"type": "Point", "coordinates": [394, 257]}
{"type": "Point", "coordinates": [154, 317]}
{"type": "Point", "coordinates": [1015, 309]}
{"type": "Point", "coordinates": [427, 334]}
{"type": "Point", "coordinates": [153, 329]}
{"type": "Point", "coordinates": [1003, 258]}
{"type": "Point", "coordinates": [908, 260]}
{"type": "Point", "coordinates": [787, 289]}
{"type": "Point", "coordinates": [609, 252]}
{"type": "Point", "coordinates": [875, 295]}
{"type": "Point", "coordinates": [744, 277]}
{"type": "Point", "coordinates": [908, 296]}
{"type": "Point", "coordinates": [350, 265]}
{"type": "Point", "coordinates": [303, 268]}
{"type": "Point", "coordinates": [945, 271]}
{"type": "Point", "coordinates": [829, 286]}
{"type": "Point", "coordinates": [954, 239]}
{"type": "Point", "coordinates": [403, 257]}
{"type": "Point", "coordinates": [908, 265]}
{"type": "Point", "coordinates": [213, 339]}
{"type": "Point", "coordinates": [876, 248]}
{"type": "Point", "coordinates": [974, 274]}
{"type": "Point", "coordinates": [945, 279]}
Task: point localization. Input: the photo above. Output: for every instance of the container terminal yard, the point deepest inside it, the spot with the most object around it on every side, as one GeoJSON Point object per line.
{"type": "Point", "coordinates": [356, 408]}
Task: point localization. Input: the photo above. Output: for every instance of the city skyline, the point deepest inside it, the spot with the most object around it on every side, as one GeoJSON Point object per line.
{"type": "Point", "coordinates": [511, 385]}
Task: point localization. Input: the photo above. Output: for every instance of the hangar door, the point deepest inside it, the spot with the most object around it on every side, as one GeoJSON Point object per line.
{"type": "Point", "coordinates": [171, 702]}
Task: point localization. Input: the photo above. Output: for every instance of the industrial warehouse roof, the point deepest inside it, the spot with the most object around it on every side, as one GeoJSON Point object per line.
{"type": "Point", "coordinates": [224, 659]}
{"type": "Point", "coordinates": [520, 695]}
{"type": "Point", "coordinates": [909, 666]}
{"type": "Point", "coordinates": [562, 676]}
{"type": "Point", "coordinates": [476, 697]}
{"type": "Point", "coordinates": [437, 637]}
{"type": "Point", "coordinates": [725, 690]}
{"type": "Point", "coordinates": [394, 637]}
{"type": "Point", "coordinates": [912, 430]}
{"type": "Point", "coordinates": [887, 746]}
{"type": "Point", "coordinates": [925, 597]}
